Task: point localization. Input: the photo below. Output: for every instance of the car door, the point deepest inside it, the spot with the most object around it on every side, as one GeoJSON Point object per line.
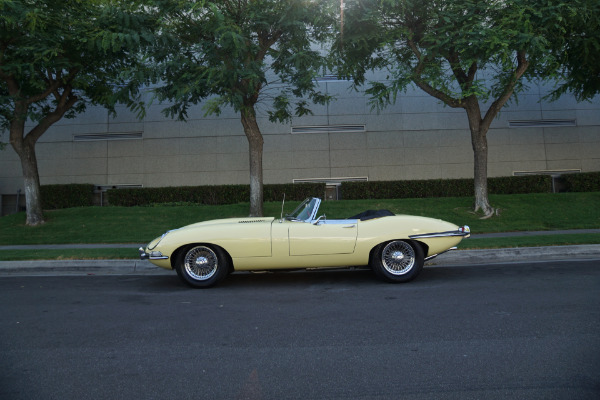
{"type": "Point", "coordinates": [323, 238]}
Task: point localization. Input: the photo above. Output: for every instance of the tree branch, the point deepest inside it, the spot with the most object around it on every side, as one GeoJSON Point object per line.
{"type": "Point", "coordinates": [67, 101]}
{"type": "Point", "coordinates": [522, 65]}
{"type": "Point", "coordinates": [266, 41]}
{"type": "Point", "coordinates": [472, 71]}
{"type": "Point", "coordinates": [459, 73]}
{"type": "Point", "coordinates": [41, 96]}
{"type": "Point", "coordinates": [438, 94]}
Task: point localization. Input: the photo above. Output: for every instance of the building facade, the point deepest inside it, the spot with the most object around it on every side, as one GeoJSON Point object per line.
{"type": "Point", "coordinates": [416, 138]}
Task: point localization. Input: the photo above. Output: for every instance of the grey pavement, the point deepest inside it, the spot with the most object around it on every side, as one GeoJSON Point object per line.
{"type": "Point", "coordinates": [144, 267]}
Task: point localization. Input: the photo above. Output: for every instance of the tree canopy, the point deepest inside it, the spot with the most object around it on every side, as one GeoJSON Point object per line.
{"type": "Point", "coordinates": [469, 54]}
{"type": "Point", "coordinates": [57, 57]}
{"type": "Point", "coordinates": [239, 53]}
{"type": "Point", "coordinates": [575, 39]}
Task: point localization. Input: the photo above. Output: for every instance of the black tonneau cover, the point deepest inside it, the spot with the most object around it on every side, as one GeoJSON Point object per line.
{"type": "Point", "coordinates": [372, 214]}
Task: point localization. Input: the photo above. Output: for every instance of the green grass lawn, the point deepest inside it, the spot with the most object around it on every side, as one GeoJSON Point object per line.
{"type": "Point", "coordinates": [530, 241]}
{"type": "Point", "coordinates": [141, 224]}
{"type": "Point", "coordinates": [69, 254]}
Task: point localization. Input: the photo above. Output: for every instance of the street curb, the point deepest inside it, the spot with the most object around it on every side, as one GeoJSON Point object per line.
{"type": "Point", "coordinates": [453, 258]}
{"type": "Point", "coordinates": [92, 267]}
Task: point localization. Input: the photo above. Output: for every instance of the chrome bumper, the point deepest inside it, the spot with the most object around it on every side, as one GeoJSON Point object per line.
{"type": "Point", "coordinates": [143, 254]}
{"type": "Point", "coordinates": [154, 255]}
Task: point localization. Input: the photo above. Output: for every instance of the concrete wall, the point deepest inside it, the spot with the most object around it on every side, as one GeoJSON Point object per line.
{"type": "Point", "coordinates": [416, 138]}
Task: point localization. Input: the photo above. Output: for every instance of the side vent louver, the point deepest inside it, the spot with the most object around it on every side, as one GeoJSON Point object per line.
{"type": "Point", "coordinates": [328, 128]}
{"type": "Point", "coordinates": [107, 136]}
{"type": "Point", "coordinates": [542, 123]}
{"type": "Point", "coordinates": [331, 78]}
{"type": "Point", "coordinates": [251, 221]}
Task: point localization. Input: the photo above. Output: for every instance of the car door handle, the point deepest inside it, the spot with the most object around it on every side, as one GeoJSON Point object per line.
{"type": "Point", "coordinates": [350, 226]}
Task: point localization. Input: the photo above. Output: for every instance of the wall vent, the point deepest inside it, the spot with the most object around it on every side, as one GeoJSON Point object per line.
{"type": "Point", "coordinates": [542, 123]}
{"type": "Point", "coordinates": [104, 188]}
{"type": "Point", "coordinates": [332, 180]}
{"type": "Point", "coordinates": [330, 78]}
{"type": "Point", "coordinates": [329, 128]}
{"type": "Point", "coordinates": [91, 137]}
{"type": "Point", "coordinates": [552, 172]}
{"type": "Point", "coordinates": [333, 185]}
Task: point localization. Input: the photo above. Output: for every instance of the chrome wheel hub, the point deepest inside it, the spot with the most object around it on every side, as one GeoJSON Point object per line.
{"type": "Point", "coordinates": [201, 261]}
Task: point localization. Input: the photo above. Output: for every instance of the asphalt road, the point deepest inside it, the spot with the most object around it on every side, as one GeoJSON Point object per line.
{"type": "Point", "coordinates": [511, 331]}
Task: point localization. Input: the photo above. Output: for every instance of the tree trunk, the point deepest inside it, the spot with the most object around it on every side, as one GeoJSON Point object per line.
{"type": "Point", "coordinates": [33, 200]}
{"type": "Point", "coordinates": [480, 157]}
{"type": "Point", "coordinates": [24, 145]}
{"type": "Point", "coordinates": [255, 145]}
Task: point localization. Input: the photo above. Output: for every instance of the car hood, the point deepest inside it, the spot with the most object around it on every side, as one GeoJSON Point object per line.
{"type": "Point", "coordinates": [230, 221]}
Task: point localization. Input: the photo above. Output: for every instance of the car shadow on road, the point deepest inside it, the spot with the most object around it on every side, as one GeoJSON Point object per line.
{"type": "Point", "coordinates": [331, 278]}
{"type": "Point", "coordinates": [431, 275]}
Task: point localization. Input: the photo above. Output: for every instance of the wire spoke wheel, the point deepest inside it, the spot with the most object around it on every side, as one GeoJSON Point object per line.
{"type": "Point", "coordinates": [398, 258]}
{"type": "Point", "coordinates": [201, 263]}
{"type": "Point", "coordinates": [397, 261]}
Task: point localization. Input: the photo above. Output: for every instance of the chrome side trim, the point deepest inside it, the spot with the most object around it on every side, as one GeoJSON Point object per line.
{"type": "Point", "coordinates": [438, 234]}
{"type": "Point", "coordinates": [464, 232]}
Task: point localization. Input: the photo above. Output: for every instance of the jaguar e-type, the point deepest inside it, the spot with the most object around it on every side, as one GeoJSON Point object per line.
{"type": "Point", "coordinates": [395, 247]}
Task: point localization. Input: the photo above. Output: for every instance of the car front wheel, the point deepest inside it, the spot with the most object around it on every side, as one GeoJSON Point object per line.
{"type": "Point", "coordinates": [202, 266]}
{"type": "Point", "coordinates": [397, 261]}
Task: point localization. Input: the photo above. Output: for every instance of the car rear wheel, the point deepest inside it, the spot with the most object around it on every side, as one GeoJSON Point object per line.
{"type": "Point", "coordinates": [202, 266]}
{"type": "Point", "coordinates": [397, 261]}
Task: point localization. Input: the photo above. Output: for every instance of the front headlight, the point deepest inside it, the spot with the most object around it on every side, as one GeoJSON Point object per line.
{"type": "Point", "coordinates": [156, 241]}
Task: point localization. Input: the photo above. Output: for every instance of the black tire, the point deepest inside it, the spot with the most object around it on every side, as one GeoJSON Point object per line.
{"type": "Point", "coordinates": [202, 266]}
{"type": "Point", "coordinates": [397, 261]}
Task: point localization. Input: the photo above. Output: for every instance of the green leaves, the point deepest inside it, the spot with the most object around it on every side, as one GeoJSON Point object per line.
{"type": "Point", "coordinates": [84, 51]}
{"type": "Point", "coordinates": [241, 53]}
{"type": "Point", "coordinates": [574, 38]}
{"type": "Point", "coordinates": [458, 49]}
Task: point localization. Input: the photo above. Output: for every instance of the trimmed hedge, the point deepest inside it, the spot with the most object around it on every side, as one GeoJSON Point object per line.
{"type": "Point", "coordinates": [583, 182]}
{"type": "Point", "coordinates": [520, 184]}
{"type": "Point", "coordinates": [81, 195]}
{"type": "Point", "coordinates": [211, 195]}
{"type": "Point", "coordinates": [66, 196]}
{"type": "Point", "coordinates": [443, 187]}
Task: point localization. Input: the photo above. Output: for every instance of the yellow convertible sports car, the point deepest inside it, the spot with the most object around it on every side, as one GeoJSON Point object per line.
{"type": "Point", "coordinates": [393, 246]}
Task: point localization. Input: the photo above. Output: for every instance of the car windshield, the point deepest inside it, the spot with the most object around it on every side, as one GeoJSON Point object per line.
{"type": "Point", "coordinates": [304, 211]}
